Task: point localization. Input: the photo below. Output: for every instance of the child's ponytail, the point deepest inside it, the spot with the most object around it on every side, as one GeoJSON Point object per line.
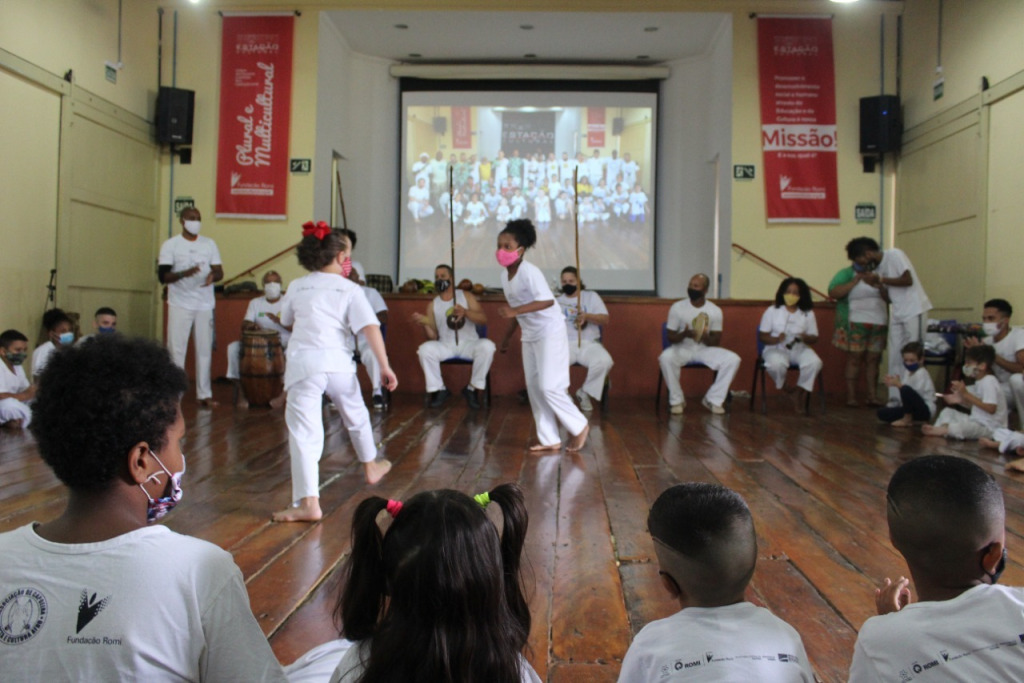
{"type": "Point", "coordinates": [362, 600]}
{"type": "Point", "coordinates": [509, 498]}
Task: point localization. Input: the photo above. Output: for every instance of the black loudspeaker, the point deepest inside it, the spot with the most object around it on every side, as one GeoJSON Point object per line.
{"type": "Point", "coordinates": [440, 125]}
{"type": "Point", "coordinates": [617, 125]}
{"type": "Point", "coordinates": [174, 110]}
{"type": "Point", "coordinates": [881, 124]}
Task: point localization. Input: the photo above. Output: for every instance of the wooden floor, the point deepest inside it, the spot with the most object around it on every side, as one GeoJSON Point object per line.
{"type": "Point", "coordinates": [816, 486]}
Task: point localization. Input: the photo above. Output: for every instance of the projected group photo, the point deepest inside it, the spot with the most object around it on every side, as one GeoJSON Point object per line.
{"type": "Point", "coordinates": [482, 166]}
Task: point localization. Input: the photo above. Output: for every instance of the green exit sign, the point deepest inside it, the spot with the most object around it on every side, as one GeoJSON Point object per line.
{"type": "Point", "coordinates": [743, 171]}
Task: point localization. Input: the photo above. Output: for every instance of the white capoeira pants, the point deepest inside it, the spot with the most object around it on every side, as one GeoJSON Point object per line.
{"type": "Point", "coordinates": [777, 362]}
{"type": "Point", "coordinates": [369, 360]}
{"type": "Point", "coordinates": [13, 409]}
{"type": "Point", "coordinates": [901, 333]}
{"type": "Point", "coordinates": [546, 365]}
{"type": "Point", "coordinates": [420, 210]}
{"type": "Point", "coordinates": [480, 351]}
{"type": "Point", "coordinates": [1013, 390]}
{"type": "Point", "coordinates": [595, 358]}
{"type": "Point", "coordinates": [180, 322]}
{"type": "Point", "coordinates": [234, 360]}
{"type": "Point", "coordinates": [304, 417]}
{"type": "Point", "coordinates": [723, 361]}
{"type": "Point", "coordinates": [961, 426]}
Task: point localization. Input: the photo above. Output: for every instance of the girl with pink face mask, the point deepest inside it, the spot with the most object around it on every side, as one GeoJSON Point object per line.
{"type": "Point", "coordinates": [531, 306]}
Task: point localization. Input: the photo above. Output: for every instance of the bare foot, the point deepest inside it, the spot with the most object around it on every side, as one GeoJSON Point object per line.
{"type": "Point", "coordinates": [989, 443]}
{"type": "Point", "coordinates": [209, 403]}
{"type": "Point", "coordinates": [932, 430]}
{"type": "Point", "coordinates": [1016, 465]}
{"type": "Point", "coordinates": [375, 470]}
{"type": "Point", "coordinates": [308, 510]}
{"type": "Point", "coordinates": [874, 402]}
{"type": "Point", "coordinates": [905, 421]}
{"type": "Point", "coordinates": [540, 449]}
{"type": "Point", "coordinates": [799, 395]}
{"type": "Point", "coordinates": [278, 401]}
{"type": "Point", "coordinates": [576, 443]}
{"type": "Point", "coordinates": [241, 402]}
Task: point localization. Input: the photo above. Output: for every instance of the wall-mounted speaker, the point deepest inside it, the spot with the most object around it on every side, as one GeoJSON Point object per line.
{"type": "Point", "coordinates": [440, 125]}
{"type": "Point", "coordinates": [174, 112]}
{"type": "Point", "coordinates": [881, 124]}
{"type": "Point", "coordinates": [617, 125]}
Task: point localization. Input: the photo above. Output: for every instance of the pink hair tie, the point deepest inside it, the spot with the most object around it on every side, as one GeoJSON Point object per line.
{"type": "Point", "coordinates": [394, 507]}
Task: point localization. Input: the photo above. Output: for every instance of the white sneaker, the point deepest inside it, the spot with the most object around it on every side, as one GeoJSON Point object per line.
{"type": "Point", "coordinates": [585, 405]}
{"type": "Point", "coordinates": [715, 410]}
{"type": "Point", "coordinates": [677, 409]}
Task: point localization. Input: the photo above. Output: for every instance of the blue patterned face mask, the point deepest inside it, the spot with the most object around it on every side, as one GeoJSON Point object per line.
{"type": "Point", "coordinates": [161, 506]}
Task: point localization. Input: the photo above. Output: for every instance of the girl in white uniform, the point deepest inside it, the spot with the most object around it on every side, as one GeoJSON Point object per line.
{"type": "Point", "coordinates": [476, 212]}
{"type": "Point", "coordinates": [325, 311]}
{"type": "Point", "coordinates": [542, 208]}
{"type": "Point", "coordinates": [585, 315]}
{"type": "Point", "coordinates": [788, 330]}
{"type": "Point", "coordinates": [518, 204]}
{"type": "Point", "coordinates": [545, 345]}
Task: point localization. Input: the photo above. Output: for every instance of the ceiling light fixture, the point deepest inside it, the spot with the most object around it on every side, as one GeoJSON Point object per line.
{"type": "Point", "coordinates": [401, 26]}
{"type": "Point", "coordinates": [530, 55]}
{"type": "Point", "coordinates": [651, 29]}
{"type": "Point", "coordinates": [415, 55]}
{"type": "Point", "coordinates": [844, 2]}
{"type": "Point", "coordinates": [643, 56]}
{"type": "Point", "coordinates": [526, 27]}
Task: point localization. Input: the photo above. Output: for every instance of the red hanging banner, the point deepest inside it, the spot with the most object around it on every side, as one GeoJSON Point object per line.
{"type": "Point", "coordinates": [798, 119]}
{"type": "Point", "coordinates": [462, 128]}
{"type": "Point", "coordinates": [255, 109]}
{"type": "Point", "coordinates": [595, 127]}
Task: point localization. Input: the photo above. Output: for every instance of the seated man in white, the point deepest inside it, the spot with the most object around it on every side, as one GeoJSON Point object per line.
{"type": "Point", "coordinates": [788, 329]}
{"type": "Point", "coordinates": [15, 390]}
{"type": "Point", "coordinates": [1008, 341]}
{"type": "Point", "coordinates": [695, 331]}
{"type": "Point", "coordinates": [419, 200]}
{"type": "Point", "coordinates": [262, 314]}
{"type": "Point", "coordinates": [585, 316]}
{"type": "Point", "coordinates": [366, 355]}
{"type": "Point", "coordinates": [460, 309]}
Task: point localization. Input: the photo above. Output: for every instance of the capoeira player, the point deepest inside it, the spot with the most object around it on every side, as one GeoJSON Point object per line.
{"type": "Point", "coordinates": [366, 356]}
{"type": "Point", "coordinates": [263, 313]}
{"type": "Point", "coordinates": [585, 316]}
{"type": "Point", "coordinates": [419, 200]}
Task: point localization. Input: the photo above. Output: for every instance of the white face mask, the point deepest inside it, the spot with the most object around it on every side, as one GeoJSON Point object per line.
{"type": "Point", "coordinates": [992, 329]}
{"type": "Point", "coordinates": [970, 370]}
{"type": "Point", "coordinates": [193, 226]}
{"type": "Point", "coordinates": [272, 290]}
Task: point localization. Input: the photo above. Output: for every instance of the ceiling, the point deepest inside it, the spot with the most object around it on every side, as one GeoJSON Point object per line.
{"type": "Point", "coordinates": [555, 37]}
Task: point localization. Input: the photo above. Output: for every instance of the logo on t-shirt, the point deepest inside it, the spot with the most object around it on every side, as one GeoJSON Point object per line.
{"type": "Point", "coordinates": [22, 615]}
{"type": "Point", "coordinates": [88, 608]}
{"type": "Point", "coordinates": [789, 658]}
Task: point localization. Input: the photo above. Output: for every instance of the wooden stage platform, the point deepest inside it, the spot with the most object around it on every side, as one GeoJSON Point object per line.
{"type": "Point", "coordinates": [816, 486]}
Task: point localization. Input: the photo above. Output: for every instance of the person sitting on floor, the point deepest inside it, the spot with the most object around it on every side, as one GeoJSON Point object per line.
{"type": "Point", "coordinates": [103, 322]}
{"type": "Point", "coordinates": [917, 390]}
{"type": "Point", "coordinates": [946, 517]}
{"type": "Point", "coordinates": [985, 399]}
{"type": "Point", "coordinates": [1008, 341]}
{"type": "Point", "coordinates": [15, 390]}
{"type": "Point", "coordinates": [707, 549]}
{"type": "Point", "coordinates": [100, 593]}
{"type": "Point", "coordinates": [61, 332]}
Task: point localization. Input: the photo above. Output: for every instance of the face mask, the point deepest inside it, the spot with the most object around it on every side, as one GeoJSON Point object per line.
{"type": "Point", "coordinates": [106, 330]}
{"type": "Point", "coordinates": [442, 285]}
{"type": "Point", "coordinates": [346, 266]}
{"type": "Point", "coordinates": [272, 290]}
{"type": "Point", "coordinates": [970, 370]}
{"type": "Point", "coordinates": [568, 290]}
{"type": "Point", "coordinates": [16, 358]}
{"type": "Point", "coordinates": [507, 258]}
{"type": "Point", "coordinates": [912, 367]}
{"type": "Point", "coordinates": [858, 268]}
{"type": "Point", "coordinates": [791, 299]}
{"type": "Point", "coordinates": [159, 508]}
{"type": "Point", "coordinates": [66, 338]}
{"type": "Point", "coordinates": [193, 227]}
{"type": "Point", "coordinates": [695, 294]}
{"type": "Point", "coordinates": [992, 329]}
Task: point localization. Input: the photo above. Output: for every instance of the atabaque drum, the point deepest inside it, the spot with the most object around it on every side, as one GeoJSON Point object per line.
{"type": "Point", "coordinates": [262, 367]}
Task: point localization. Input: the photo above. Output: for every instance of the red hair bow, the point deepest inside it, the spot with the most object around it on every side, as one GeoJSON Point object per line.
{"type": "Point", "coordinates": [394, 507]}
{"type": "Point", "coordinates": [318, 230]}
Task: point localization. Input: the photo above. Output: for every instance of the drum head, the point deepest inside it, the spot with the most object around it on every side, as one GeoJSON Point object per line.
{"type": "Point", "coordinates": [700, 326]}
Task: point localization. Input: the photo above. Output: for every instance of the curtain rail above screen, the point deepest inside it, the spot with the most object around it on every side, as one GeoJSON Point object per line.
{"type": "Point", "coordinates": [548, 72]}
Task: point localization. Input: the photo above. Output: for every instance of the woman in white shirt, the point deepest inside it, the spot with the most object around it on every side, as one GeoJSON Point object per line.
{"type": "Point", "coordinates": [788, 330]}
{"type": "Point", "coordinates": [862, 326]}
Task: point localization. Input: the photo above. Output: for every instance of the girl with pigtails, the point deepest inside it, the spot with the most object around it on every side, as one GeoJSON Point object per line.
{"type": "Point", "coordinates": [437, 596]}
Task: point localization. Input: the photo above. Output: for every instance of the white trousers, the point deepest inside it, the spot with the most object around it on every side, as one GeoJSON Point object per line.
{"type": "Point", "coordinates": [1013, 390]}
{"type": "Point", "coordinates": [420, 210]}
{"type": "Point", "coordinates": [901, 333]}
{"type": "Point", "coordinates": [723, 361]}
{"type": "Point", "coordinates": [480, 351]}
{"type": "Point", "coordinates": [304, 417]}
{"type": "Point", "coordinates": [234, 360]}
{"type": "Point", "coordinates": [180, 322]}
{"type": "Point", "coordinates": [13, 409]}
{"type": "Point", "coordinates": [961, 426]}
{"type": "Point", "coordinates": [598, 362]}
{"type": "Point", "coordinates": [777, 362]}
{"type": "Point", "coordinates": [369, 360]}
{"type": "Point", "coordinates": [546, 365]}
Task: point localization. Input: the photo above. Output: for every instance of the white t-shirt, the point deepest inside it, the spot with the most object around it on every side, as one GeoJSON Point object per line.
{"type": "Point", "coordinates": [41, 356]}
{"type": "Point", "coordinates": [12, 382]}
{"type": "Point", "coordinates": [352, 666]}
{"type": "Point", "coordinates": [682, 314]}
{"type": "Point", "coordinates": [778, 320]}
{"type": "Point", "coordinates": [325, 312]}
{"type": "Point", "coordinates": [867, 305]}
{"type": "Point", "coordinates": [257, 313]}
{"type": "Point", "coordinates": [629, 170]}
{"type": "Point", "coordinates": [741, 642]}
{"type": "Point", "coordinates": [440, 310]}
{"type": "Point", "coordinates": [988, 390]}
{"type": "Point", "coordinates": [973, 637]}
{"type": "Point", "coordinates": [181, 254]}
{"type": "Point", "coordinates": [637, 202]}
{"type": "Point", "coordinates": [526, 287]}
{"type": "Point", "coordinates": [1007, 349]}
{"type": "Point", "coordinates": [614, 168]}
{"type": "Point", "coordinates": [907, 302]}
{"type": "Point", "coordinates": [149, 605]}
{"type": "Point", "coordinates": [592, 303]}
{"type": "Point", "coordinates": [595, 169]}
{"type": "Point", "coordinates": [376, 302]}
{"type": "Point", "coordinates": [921, 382]}
{"type": "Point", "coordinates": [419, 194]}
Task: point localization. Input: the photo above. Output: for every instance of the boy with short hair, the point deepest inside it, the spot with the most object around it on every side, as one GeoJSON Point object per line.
{"type": "Point", "coordinates": [917, 390]}
{"type": "Point", "coordinates": [103, 322]}
{"type": "Point", "coordinates": [985, 399]}
{"type": "Point", "coordinates": [61, 333]}
{"type": "Point", "coordinates": [704, 539]}
{"type": "Point", "coordinates": [15, 389]}
{"type": "Point", "coordinates": [946, 517]}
